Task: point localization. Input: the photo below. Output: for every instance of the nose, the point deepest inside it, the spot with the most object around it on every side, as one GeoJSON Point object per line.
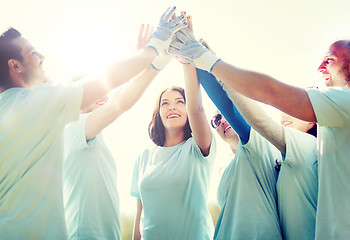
{"type": "Point", "coordinates": [223, 121]}
{"type": "Point", "coordinates": [42, 57]}
{"type": "Point", "coordinates": [171, 107]}
{"type": "Point", "coordinates": [322, 68]}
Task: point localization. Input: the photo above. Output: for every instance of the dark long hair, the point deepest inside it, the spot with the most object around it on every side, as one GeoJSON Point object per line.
{"type": "Point", "coordinates": [8, 50]}
{"type": "Point", "coordinates": [156, 129]}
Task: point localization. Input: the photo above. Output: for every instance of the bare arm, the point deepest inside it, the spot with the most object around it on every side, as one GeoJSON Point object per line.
{"type": "Point", "coordinates": [125, 96]}
{"type": "Point", "coordinates": [122, 100]}
{"type": "Point", "coordinates": [122, 71]}
{"type": "Point", "coordinates": [137, 233]}
{"type": "Point", "coordinates": [260, 87]}
{"type": "Point", "coordinates": [196, 115]}
{"type": "Point", "coordinates": [117, 74]}
{"type": "Point", "coordinates": [258, 119]}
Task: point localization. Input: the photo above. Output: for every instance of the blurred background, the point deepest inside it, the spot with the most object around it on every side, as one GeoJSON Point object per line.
{"type": "Point", "coordinates": [285, 39]}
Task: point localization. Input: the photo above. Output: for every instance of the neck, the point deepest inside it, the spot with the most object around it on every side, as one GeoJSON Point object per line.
{"type": "Point", "coordinates": [4, 88]}
{"type": "Point", "coordinates": [233, 147]}
{"type": "Point", "coordinates": [233, 143]}
{"type": "Point", "coordinates": [174, 137]}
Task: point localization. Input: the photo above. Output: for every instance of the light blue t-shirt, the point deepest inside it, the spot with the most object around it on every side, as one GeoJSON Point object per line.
{"type": "Point", "coordinates": [332, 109]}
{"type": "Point", "coordinates": [172, 183]}
{"type": "Point", "coordinates": [297, 186]}
{"type": "Point", "coordinates": [247, 194]}
{"type": "Point", "coordinates": [31, 159]}
{"type": "Point", "coordinates": [90, 186]}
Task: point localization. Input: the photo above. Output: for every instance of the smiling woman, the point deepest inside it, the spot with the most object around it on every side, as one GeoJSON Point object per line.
{"type": "Point", "coordinates": [171, 104]}
{"type": "Point", "coordinates": [171, 181]}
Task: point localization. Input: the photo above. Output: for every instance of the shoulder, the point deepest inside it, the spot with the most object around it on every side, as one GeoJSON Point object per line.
{"type": "Point", "coordinates": [331, 106]}
{"type": "Point", "coordinates": [329, 94]}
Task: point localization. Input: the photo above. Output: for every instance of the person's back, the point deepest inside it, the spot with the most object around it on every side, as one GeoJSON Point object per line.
{"type": "Point", "coordinates": [31, 123]}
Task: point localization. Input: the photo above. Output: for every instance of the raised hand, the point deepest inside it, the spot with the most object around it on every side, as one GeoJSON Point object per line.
{"type": "Point", "coordinates": [167, 27]}
{"type": "Point", "coordinates": [144, 36]}
{"type": "Point", "coordinates": [186, 46]}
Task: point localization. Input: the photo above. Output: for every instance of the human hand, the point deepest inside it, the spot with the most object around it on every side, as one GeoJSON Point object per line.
{"type": "Point", "coordinates": [186, 46]}
{"type": "Point", "coordinates": [167, 27]}
{"type": "Point", "coordinates": [190, 26]}
{"type": "Point", "coordinates": [144, 36]}
{"type": "Point", "coordinates": [205, 44]}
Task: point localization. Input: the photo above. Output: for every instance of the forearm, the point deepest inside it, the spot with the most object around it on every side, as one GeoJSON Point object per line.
{"type": "Point", "coordinates": [193, 96]}
{"type": "Point", "coordinates": [128, 95]}
{"type": "Point", "coordinates": [117, 74]}
{"type": "Point", "coordinates": [196, 114]}
{"type": "Point", "coordinates": [258, 119]}
{"type": "Point", "coordinates": [137, 232]}
{"type": "Point", "coordinates": [224, 104]}
{"type": "Point", "coordinates": [122, 71]}
{"type": "Point", "coordinates": [122, 100]}
{"type": "Point", "coordinates": [266, 89]}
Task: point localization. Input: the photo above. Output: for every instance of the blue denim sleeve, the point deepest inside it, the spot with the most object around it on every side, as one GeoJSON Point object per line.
{"type": "Point", "coordinates": [219, 97]}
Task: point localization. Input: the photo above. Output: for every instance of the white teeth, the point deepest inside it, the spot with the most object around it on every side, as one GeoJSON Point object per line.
{"type": "Point", "coordinates": [101, 102]}
{"type": "Point", "coordinates": [226, 129]}
{"type": "Point", "coordinates": [173, 116]}
{"type": "Point", "coordinates": [286, 123]}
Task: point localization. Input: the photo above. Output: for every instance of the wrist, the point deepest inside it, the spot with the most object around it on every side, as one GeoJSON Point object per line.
{"type": "Point", "coordinates": [206, 61]}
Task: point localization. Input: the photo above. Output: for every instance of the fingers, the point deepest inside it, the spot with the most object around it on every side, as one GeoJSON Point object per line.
{"type": "Point", "coordinates": [142, 27]}
{"type": "Point", "coordinates": [144, 36]}
{"type": "Point", "coordinates": [180, 36]}
{"type": "Point", "coordinates": [167, 14]}
{"type": "Point", "coordinates": [189, 22]}
{"type": "Point", "coordinates": [147, 33]}
{"type": "Point", "coordinates": [205, 44]}
{"type": "Point", "coordinates": [177, 21]}
{"type": "Point", "coordinates": [175, 46]}
{"type": "Point", "coordinates": [185, 35]}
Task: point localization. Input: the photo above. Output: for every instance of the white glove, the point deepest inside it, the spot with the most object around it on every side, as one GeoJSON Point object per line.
{"type": "Point", "coordinates": [186, 46]}
{"type": "Point", "coordinates": [162, 37]}
{"type": "Point", "coordinates": [161, 61]}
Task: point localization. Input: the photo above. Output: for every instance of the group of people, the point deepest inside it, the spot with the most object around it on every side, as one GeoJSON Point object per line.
{"type": "Point", "coordinates": [288, 180]}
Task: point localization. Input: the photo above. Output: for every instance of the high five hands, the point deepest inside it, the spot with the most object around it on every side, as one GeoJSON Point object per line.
{"type": "Point", "coordinates": [174, 36]}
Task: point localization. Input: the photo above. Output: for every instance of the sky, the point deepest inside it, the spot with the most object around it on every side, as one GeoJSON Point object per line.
{"type": "Point", "coordinates": [284, 39]}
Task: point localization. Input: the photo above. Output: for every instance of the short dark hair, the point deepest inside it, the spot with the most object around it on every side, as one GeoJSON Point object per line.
{"type": "Point", "coordinates": [345, 68]}
{"type": "Point", "coordinates": [156, 129]}
{"type": "Point", "coordinates": [8, 50]}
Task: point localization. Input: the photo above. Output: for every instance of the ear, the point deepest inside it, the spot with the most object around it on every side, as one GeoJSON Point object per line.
{"type": "Point", "coordinates": [14, 66]}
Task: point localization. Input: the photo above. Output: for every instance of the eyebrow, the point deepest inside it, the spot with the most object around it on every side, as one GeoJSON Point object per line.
{"type": "Point", "coordinates": [165, 99]}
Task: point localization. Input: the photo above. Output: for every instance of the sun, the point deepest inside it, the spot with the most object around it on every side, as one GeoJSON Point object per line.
{"type": "Point", "coordinates": [90, 49]}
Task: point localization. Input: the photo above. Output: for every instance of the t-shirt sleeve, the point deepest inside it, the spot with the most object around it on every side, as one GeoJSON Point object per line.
{"type": "Point", "coordinates": [299, 146]}
{"type": "Point", "coordinates": [135, 179]}
{"type": "Point", "coordinates": [75, 135]}
{"type": "Point", "coordinates": [331, 106]}
{"type": "Point", "coordinates": [255, 144]}
{"type": "Point", "coordinates": [212, 151]}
